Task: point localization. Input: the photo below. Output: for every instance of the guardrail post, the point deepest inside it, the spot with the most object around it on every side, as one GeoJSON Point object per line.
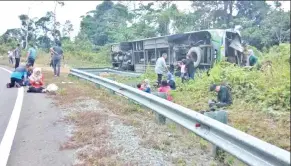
{"type": "Point", "coordinates": [220, 116]}
{"type": "Point", "coordinates": [160, 119]}
{"type": "Point", "coordinates": [97, 86]}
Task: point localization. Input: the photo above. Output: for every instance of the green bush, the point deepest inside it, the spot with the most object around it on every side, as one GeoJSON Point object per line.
{"type": "Point", "coordinates": [268, 87]}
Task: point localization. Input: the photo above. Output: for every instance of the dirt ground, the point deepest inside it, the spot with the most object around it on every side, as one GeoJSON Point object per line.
{"type": "Point", "coordinates": [107, 129]}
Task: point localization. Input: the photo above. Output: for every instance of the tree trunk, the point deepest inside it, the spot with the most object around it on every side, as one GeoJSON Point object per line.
{"type": "Point", "coordinates": [225, 3]}
{"type": "Point", "coordinates": [27, 24]}
{"type": "Point", "coordinates": [230, 11]}
{"type": "Point", "coordinates": [54, 30]}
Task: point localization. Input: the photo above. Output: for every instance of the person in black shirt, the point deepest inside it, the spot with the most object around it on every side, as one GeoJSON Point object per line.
{"type": "Point", "coordinates": [190, 67]}
{"type": "Point", "coordinates": [223, 96]}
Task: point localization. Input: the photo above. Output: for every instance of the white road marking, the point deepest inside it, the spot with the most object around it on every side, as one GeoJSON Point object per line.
{"type": "Point", "coordinates": [9, 134]}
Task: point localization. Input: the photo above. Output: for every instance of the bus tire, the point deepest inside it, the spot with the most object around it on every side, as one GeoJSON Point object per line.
{"type": "Point", "coordinates": [197, 51]}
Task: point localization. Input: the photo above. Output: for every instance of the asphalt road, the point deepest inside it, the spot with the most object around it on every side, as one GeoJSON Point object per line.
{"type": "Point", "coordinates": [39, 132]}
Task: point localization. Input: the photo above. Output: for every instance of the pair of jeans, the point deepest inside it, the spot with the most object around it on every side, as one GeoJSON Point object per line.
{"type": "Point", "coordinates": [13, 81]}
{"type": "Point", "coordinates": [31, 61]}
{"type": "Point", "coordinates": [17, 60]}
{"type": "Point", "coordinates": [191, 75]}
{"type": "Point", "coordinates": [160, 76]}
{"type": "Point", "coordinates": [172, 84]}
{"type": "Point", "coordinates": [57, 66]}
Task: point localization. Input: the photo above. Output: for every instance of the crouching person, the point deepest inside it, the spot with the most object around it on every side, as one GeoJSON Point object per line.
{"type": "Point", "coordinates": [223, 96]}
{"type": "Point", "coordinates": [19, 76]}
{"type": "Point", "coordinates": [165, 88]}
{"type": "Point", "coordinates": [36, 82]}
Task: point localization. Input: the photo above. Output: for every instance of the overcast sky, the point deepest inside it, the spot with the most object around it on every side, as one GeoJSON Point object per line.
{"type": "Point", "coordinates": [10, 10]}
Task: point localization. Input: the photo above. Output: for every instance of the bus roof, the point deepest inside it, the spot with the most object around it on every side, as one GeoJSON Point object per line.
{"type": "Point", "coordinates": [185, 33]}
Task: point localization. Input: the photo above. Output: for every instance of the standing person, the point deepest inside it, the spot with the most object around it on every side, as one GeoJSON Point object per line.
{"type": "Point", "coordinates": [17, 55]}
{"type": "Point", "coordinates": [161, 67]}
{"type": "Point", "coordinates": [182, 65]}
{"type": "Point", "coordinates": [10, 56]}
{"type": "Point", "coordinates": [252, 58]}
{"type": "Point", "coordinates": [19, 76]}
{"type": "Point", "coordinates": [171, 78]}
{"type": "Point", "coordinates": [190, 67]}
{"type": "Point", "coordinates": [31, 55]}
{"type": "Point", "coordinates": [57, 52]}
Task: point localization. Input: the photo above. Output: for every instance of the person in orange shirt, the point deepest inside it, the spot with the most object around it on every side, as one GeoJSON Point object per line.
{"type": "Point", "coordinates": [36, 82]}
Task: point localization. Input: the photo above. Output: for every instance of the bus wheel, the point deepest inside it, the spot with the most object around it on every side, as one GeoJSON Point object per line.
{"type": "Point", "coordinates": [196, 54]}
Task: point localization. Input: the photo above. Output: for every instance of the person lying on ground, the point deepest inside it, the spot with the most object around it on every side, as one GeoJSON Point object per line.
{"type": "Point", "coordinates": [223, 96]}
{"type": "Point", "coordinates": [19, 76]}
{"type": "Point", "coordinates": [36, 81]}
{"type": "Point", "coordinates": [139, 87]}
{"type": "Point", "coordinates": [165, 88]}
{"type": "Point", "coordinates": [146, 86]}
{"type": "Point", "coordinates": [171, 80]}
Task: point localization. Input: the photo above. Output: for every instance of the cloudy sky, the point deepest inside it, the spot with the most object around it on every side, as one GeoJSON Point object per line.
{"type": "Point", "coordinates": [10, 10]}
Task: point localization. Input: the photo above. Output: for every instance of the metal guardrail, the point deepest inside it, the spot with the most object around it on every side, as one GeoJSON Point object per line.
{"type": "Point", "coordinates": [109, 70]}
{"type": "Point", "coordinates": [246, 148]}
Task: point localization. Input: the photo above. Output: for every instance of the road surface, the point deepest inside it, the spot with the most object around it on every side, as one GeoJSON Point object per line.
{"type": "Point", "coordinates": [39, 132]}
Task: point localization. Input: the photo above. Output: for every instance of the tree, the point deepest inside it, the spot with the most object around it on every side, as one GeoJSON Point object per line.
{"type": "Point", "coordinates": [56, 32]}
{"type": "Point", "coordinates": [67, 28]}
{"type": "Point", "coordinates": [28, 28]}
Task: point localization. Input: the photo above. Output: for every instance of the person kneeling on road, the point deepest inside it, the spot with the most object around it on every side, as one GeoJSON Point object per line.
{"type": "Point", "coordinates": [223, 96]}
{"type": "Point", "coordinates": [36, 82]}
{"type": "Point", "coordinates": [19, 76]}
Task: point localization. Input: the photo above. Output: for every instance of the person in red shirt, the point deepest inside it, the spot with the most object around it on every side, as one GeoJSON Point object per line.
{"type": "Point", "coordinates": [139, 87]}
{"type": "Point", "coordinates": [166, 89]}
{"type": "Point", "coordinates": [36, 82]}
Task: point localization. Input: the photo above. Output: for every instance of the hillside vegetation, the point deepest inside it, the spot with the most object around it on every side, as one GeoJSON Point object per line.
{"type": "Point", "coordinates": [261, 95]}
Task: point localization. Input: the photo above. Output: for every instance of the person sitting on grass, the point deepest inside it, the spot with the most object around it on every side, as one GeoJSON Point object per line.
{"type": "Point", "coordinates": [139, 87]}
{"type": "Point", "coordinates": [223, 96]}
{"type": "Point", "coordinates": [146, 86]}
{"type": "Point", "coordinates": [36, 82]}
{"type": "Point", "coordinates": [171, 78]}
{"type": "Point", "coordinates": [18, 76]}
{"type": "Point", "coordinates": [165, 88]}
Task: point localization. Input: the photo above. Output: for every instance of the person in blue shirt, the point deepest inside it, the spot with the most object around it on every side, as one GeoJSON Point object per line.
{"type": "Point", "coordinates": [19, 75]}
{"type": "Point", "coordinates": [31, 55]}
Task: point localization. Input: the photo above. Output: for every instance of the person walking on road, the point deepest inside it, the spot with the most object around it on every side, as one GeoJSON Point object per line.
{"type": "Point", "coordinates": [31, 55]}
{"type": "Point", "coordinates": [57, 52]}
{"type": "Point", "coordinates": [17, 55]}
{"type": "Point", "coordinates": [161, 67]}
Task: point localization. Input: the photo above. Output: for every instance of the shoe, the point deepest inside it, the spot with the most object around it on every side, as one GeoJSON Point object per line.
{"type": "Point", "coordinates": [8, 85]}
{"type": "Point", "coordinates": [17, 85]}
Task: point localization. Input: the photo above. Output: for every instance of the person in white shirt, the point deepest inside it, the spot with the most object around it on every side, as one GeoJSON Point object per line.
{"type": "Point", "coordinates": [161, 67]}
{"type": "Point", "coordinates": [10, 56]}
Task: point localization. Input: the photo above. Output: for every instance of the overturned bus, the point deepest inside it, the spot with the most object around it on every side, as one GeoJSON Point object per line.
{"type": "Point", "coordinates": [206, 47]}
